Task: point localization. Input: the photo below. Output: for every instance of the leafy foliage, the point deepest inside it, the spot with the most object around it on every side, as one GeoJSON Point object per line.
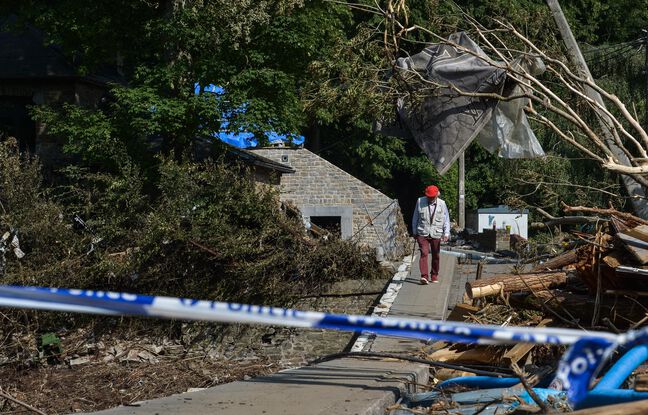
{"type": "Point", "coordinates": [316, 68]}
{"type": "Point", "coordinates": [210, 232]}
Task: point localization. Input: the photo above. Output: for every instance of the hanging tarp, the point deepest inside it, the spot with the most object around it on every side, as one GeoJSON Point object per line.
{"type": "Point", "coordinates": [446, 121]}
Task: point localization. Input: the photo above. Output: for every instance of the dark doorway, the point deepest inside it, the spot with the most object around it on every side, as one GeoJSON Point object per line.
{"type": "Point", "coordinates": [332, 224]}
{"type": "Point", "coordinates": [15, 121]}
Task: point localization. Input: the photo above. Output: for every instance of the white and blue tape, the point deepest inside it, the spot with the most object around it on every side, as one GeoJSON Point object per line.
{"type": "Point", "coordinates": [588, 351]}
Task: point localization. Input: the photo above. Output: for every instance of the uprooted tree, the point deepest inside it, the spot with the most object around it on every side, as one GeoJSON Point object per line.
{"type": "Point", "coordinates": [562, 97]}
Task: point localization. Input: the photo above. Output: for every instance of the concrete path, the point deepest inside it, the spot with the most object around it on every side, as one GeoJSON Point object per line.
{"type": "Point", "coordinates": [341, 386]}
{"type": "Point", "coordinates": [420, 301]}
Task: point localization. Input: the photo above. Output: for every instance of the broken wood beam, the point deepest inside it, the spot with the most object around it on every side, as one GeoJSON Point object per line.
{"type": "Point", "coordinates": [476, 355]}
{"type": "Point", "coordinates": [517, 352]}
{"type": "Point", "coordinates": [510, 283]}
{"type": "Point", "coordinates": [574, 220]}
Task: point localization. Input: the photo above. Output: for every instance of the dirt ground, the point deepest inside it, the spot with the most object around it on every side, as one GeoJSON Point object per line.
{"type": "Point", "coordinates": [97, 385]}
{"type": "Point", "coordinates": [105, 365]}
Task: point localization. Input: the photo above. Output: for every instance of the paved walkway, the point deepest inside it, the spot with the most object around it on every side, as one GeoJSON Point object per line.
{"type": "Point", "coordinates": [341, 386]}
{"type": "Point", "coordinates": [420, 301]}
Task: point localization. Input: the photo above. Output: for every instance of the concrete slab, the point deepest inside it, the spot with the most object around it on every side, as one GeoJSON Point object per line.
{"type": "Point", "coordinates": [341, 386]}
{"type": "Point", "coordinates": [420, 301]}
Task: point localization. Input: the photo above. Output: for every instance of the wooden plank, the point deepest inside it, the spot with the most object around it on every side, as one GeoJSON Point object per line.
{"type": "Point", "coordinates": [445, 374]}
{"type": "Point", "coordinates": [517, 352]}
{"type": "Point", "coordinates": [639, 232]}
{"type": "Point", "coordinates": [477, 354]}
{"type": "Point", "coordinates": [614, 259]}
{"type": "Point", "coordinates": [637, 247]}
{"type": "Point", "coordinates": [641, 380]}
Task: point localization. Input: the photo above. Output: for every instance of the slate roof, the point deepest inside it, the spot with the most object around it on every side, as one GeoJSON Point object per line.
{"type": "Point", "coordinates": [254, 159]}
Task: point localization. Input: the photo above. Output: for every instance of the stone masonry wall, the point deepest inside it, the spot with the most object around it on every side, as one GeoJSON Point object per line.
{"type": "Point", "coordinates": [293, 347]}
{"type": "Point", "coordinates": [319, 188]}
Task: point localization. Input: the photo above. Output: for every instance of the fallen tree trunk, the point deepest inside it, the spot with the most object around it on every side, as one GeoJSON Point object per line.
{"type": "Point", "coordinates": [562, 260]}
{"type": "Point", "coordinates": [510, 283]}
{"type": "Point", "coordinates": [605, 212]}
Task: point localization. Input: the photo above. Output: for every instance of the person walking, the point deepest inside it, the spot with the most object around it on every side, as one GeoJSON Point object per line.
{"type": "Point", "coordinates": [430, 226]}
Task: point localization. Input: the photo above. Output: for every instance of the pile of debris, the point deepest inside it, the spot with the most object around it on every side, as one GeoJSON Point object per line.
{"type": "Point", "coordinates": [600, 283]}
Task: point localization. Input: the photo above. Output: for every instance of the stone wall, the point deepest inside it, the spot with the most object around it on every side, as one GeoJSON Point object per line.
{"type": "Point", "coordinates": [293, 347]}
{"type": "Point", "coordinates": [319, 188]}
{"type": "Point", "coordinates": [492, 240]}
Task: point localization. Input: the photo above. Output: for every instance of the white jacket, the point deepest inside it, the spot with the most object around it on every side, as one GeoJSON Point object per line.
{"type": "Point", "coordinates": [431, 220]}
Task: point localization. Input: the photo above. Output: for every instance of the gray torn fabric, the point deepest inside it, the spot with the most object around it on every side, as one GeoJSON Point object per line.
{"type": "Point", "coordinates": [446, 122]}
{"type": "Point", "coordinates": [508, 133]}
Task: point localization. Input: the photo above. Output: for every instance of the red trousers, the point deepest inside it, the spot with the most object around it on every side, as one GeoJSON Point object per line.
{"type": "Point", "coordinates": [427, 246]}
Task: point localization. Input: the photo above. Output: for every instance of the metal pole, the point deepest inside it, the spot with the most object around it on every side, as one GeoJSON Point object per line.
{"type": "Point", "coordinates": [462, 192]}
{"type": "Point", "coordinates": [632, 186]}
{"type": "Point", "coordinates": [645, 39]}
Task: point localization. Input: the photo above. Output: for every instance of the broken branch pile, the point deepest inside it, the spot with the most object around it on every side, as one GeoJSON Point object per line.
{"type": "Point", "coordinates": [600, 282]}
{"type": "Point", "coordinates": [605, 275]}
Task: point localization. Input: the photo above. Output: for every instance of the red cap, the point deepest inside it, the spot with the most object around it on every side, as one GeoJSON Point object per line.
{"type": "Point", "coordinates": [431, 191]}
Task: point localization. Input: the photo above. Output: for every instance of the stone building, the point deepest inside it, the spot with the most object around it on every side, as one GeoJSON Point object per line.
{"type": "Point", "coordinates": [331, 198]}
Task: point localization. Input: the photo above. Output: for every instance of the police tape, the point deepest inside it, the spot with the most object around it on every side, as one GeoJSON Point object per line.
{"type": "Point", "coordinates": [587, 354]}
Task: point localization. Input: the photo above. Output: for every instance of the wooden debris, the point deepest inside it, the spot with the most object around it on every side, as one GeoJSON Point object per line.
{"type": "Point", "coordinates": [636, 246]}
{"type": "Point", "coordinates": [588, 269]}
{"type": "Point", "coordinates": [641, 380]}
{"type": "Point", "coordinates": [25, 405]}
{"type": "Point", "coordinates": [476, 354]}
{"type": "Point", "coordinates": [574, 220]}
{"type": "Point", "coordinates": [445, 374]}
{"type": "Point", "coordinates": [621, 310]}
{"type": "Point", "coordinates": [517, 352]}
{"type": "Point", "coordinates": [605, 212]}
{"type": "Point", "coordinates": [639, 232]}
{"type": "Point", "coordinates": [558, 262]}
{"type": "Point", "coordinates": [614, 259]}
{"type": "Point", "coordinates": [461, 312]}
{"type": "Point", "coordinates": [515, 283]}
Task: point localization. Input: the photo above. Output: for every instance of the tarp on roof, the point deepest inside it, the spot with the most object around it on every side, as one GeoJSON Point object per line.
{"type": "Point", "coordinates": [446, 122]}
{"type": "Point", "coordinates": [244, 139]}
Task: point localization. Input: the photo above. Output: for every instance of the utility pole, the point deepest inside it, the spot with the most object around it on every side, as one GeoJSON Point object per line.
{"type": "Point", "coordinates": [639, 203]}
{"type": "Point", "coordinates": [461, 206]}
{"type": "Point", "coordinates": [645, 42]}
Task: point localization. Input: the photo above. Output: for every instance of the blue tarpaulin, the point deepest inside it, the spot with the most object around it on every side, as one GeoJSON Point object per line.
{"type": "Point", "coordinates": [244, 139]}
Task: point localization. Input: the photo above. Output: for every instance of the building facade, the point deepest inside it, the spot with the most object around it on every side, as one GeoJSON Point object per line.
{"type": "Point", "coordinates": [515, 221]}
{"type": "Point", "coordinates": [331, 198]}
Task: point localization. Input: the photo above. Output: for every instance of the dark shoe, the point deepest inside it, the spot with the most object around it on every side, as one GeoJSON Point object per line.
{"type": "Point", "coordinates": [435, 279]}
{"type": "Point", "coordinates": [424, 281]}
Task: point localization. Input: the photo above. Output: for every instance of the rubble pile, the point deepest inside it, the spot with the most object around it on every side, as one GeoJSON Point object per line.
{"type": "Point", "coordinates": [599, 283]}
